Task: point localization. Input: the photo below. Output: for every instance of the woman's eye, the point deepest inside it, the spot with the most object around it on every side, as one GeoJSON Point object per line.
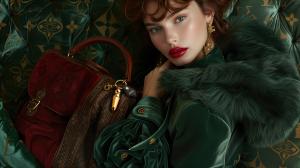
{"type": "Point", "coordinates": [179, 19]}
{"type": "Point", "coordinates": [154, 29]}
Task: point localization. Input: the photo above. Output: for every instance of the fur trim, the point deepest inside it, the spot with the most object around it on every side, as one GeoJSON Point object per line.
{"type": "Point", "coordinates": [258, 86]}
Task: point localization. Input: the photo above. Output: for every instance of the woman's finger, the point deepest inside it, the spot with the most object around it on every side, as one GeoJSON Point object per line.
{"type": "Point", "coordinates": [165, 65]}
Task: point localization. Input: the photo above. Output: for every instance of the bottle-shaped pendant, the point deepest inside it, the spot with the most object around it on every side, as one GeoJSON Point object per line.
{"type": "Point", "coordinates": [119, 85]}
{"type": "Point", "coordinates": [116, 98]}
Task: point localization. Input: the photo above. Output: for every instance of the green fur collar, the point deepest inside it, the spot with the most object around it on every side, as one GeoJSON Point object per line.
{"type": "Point", "coordinates": [257, 86]}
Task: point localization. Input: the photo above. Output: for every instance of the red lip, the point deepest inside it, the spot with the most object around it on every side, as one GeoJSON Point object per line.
{"type": "Point", "coordinates": [177, 52]}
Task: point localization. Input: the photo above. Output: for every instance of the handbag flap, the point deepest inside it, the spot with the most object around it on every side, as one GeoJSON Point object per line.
{"type": "Point", "coordinates": [61, 83]}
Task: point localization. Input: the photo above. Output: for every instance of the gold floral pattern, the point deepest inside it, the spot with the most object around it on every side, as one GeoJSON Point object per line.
{"type": "Point", "coordinates": [29, 25]}
{"type": "Point", "coordinates": [50, 26]}
{"type": "Point", "coordinates": [256, 163]}
{"type": "Point", "coordinates": [285, 150]}
{"type": "Point", "coordinates": [72, 26]}
{"type": "Point", "coordinates": [291, 19]}
{"type": "Point", "coordinates": [105, 24]}
{"type": "Point", "coordinates": [80, 3]}
{"type": "Point", "coordinates": [20, 73]}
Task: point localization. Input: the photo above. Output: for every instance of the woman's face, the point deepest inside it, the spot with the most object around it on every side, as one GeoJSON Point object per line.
{"type": "Point", "coordinates": [179, 36]}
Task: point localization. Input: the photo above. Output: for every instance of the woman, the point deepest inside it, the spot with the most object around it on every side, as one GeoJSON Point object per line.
{"type": "Point", "coordinates": [218, 99]}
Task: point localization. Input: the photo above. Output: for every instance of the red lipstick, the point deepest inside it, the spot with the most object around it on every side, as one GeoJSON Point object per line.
{"type": "Point", "coordinates": [177, 52]}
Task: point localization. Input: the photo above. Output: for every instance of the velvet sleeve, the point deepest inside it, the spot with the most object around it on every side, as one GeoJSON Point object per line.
{"type": "Point", "coordinates": [117, 144]}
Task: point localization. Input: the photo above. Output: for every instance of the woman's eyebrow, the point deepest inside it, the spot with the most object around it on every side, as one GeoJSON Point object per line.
{"type": "Point", "coordinates": [167, 17]}
{"type": "Point", "coordinates": [150, 24]}
{"type": "Point", "coordinates": [173, 13]}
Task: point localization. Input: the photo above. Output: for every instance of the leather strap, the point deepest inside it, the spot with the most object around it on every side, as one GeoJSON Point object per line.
{"type": "Point", "coordinates": [95, 40]}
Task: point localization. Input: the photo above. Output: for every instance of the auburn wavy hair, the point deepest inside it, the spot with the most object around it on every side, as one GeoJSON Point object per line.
{"type": "Point", "coordinates": [135, 11]}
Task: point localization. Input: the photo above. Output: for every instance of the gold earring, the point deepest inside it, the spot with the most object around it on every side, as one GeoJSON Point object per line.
{"type": "Point", "coordinates": [209, 44]}
{"type": "Point", "coordinates": [210, 28]}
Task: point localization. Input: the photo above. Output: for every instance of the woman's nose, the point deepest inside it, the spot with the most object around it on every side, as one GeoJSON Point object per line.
{"type": "Point", "coordinates": [171, 37]}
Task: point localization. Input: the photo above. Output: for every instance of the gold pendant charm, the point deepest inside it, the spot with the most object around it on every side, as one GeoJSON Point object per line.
{"type": "Point", "coordinates": [116, 98]}
{"type": "Point", "coordinates": [119, 85]}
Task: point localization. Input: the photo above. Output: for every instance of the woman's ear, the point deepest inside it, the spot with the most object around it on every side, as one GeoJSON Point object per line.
{"type": "Point", "coordinates": [209, 13]}
{"type": "Point", "coordinates": [209, 16]}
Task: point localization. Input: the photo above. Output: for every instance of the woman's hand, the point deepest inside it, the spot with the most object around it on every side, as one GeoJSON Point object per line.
{"type": "Point", "coordinates": [151, 83]}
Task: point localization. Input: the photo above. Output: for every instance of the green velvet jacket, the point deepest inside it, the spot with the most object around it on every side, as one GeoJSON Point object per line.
{"type": "Point", "coordinates": [248, 93]}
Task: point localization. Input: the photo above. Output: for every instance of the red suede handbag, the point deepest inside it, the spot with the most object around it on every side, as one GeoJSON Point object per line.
{"type": "Point", "coordinates": [70, 102]}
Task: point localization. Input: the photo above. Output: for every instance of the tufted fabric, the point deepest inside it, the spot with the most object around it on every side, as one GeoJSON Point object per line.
{"type": "Point", "coordinates": [283, 16]}
{"type": "Point", "coordinates": [28, 28]}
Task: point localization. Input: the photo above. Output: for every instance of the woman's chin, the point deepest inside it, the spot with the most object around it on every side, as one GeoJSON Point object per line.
{"type": "Point", "coordinates": [180, 62]}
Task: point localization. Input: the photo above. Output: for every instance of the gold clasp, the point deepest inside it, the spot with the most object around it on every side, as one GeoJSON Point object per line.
{"type": "Point", "coordinates": [35, 102]}
{"type": "Point", "coordinates": [70, 55]}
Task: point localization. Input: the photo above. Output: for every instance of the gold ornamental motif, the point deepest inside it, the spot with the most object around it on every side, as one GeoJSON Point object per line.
{"type": "Point", "coordinates": [20, 73]}
{"type": "Point", "coordinates": [266, 3]}
{"type": "Point", "coordinates": [80, 3]}
{"type": "Point", "coordinates": [291, 19]}
{"type": "Point", "coordinates": [29, 25]}
{"type": "Point", "coordinates": [50, 26]}
{"type": "Point", "coordinates": [105, 24]}
{"type": "Point", "coordinates": [72, 26]}
{"type": "Point", "coordinates": [256, 163]}
{"type": "Point", "coordinates": [285, 150]}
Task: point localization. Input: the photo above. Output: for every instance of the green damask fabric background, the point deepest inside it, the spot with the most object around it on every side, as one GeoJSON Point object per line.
{"type": "Point", "coordinates": [30, 27]}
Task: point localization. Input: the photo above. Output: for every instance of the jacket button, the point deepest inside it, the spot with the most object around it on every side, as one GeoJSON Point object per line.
{"type": "Point", "coordinates": [152, 141]}
{"type": "Point", "coordinates": [141, 110]}
{"type": "Point", "coordinates": [124, 156]}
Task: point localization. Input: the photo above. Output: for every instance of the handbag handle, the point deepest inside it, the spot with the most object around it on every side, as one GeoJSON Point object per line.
{"type": "Point", "coordinates": [94, 40]}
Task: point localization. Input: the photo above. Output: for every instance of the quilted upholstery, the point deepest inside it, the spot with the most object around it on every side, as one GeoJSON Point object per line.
{"type": "Point", "coordinates": [28, 28]}
{"type": "Point", "coordinates": [283, 16]}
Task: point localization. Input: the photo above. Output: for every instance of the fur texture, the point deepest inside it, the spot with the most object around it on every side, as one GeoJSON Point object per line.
{"type": "Point", "coordinates": [258, 86]}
